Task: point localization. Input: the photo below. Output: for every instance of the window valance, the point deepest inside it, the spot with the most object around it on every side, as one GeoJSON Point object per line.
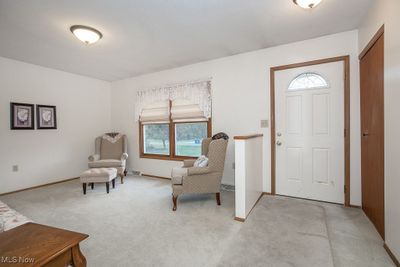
{"type": "Point", "coordinates": [188, 100]}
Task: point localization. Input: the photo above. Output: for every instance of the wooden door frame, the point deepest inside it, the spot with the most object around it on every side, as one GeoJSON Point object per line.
{"type": "Point", "coordinates": [380, 33]}
{"type": "Point", "coordinates": [372, 42]}
{"type": "Point", "coordinates": [346, 65]}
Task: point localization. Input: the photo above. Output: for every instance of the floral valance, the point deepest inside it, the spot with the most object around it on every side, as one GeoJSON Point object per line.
{"type": "Point", "coordinates": [197, 92]}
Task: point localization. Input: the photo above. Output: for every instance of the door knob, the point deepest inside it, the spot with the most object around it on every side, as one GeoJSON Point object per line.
{"type": "Point", "coordinates": [278, 143]}
{"type": "Point", "coordinates": [365, 134]}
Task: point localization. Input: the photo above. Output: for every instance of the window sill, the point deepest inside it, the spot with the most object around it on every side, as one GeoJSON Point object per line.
{"type": "Point", "coordinates": [161, 157]}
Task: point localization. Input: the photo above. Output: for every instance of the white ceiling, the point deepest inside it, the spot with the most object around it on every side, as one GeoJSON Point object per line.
{"type": "Point", "coordinates": [143, 36]}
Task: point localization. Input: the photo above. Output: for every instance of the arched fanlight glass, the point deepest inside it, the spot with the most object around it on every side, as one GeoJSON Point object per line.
{"type": "Point", "coordinates": [308, 80]}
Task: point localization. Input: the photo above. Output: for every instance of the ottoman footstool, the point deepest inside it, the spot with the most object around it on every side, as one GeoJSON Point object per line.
{"type": "Point", "coordinates": [98, 175]}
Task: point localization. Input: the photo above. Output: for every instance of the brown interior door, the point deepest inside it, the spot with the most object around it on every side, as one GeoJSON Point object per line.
{"type": "Point", "coordinates": [372, 134]}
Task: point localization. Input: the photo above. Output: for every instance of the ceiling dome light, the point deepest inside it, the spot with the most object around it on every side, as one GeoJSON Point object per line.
{"type": "Point", "coordinates": [307, 4]}
{"type": "Point", "coordinates": [86, 34]}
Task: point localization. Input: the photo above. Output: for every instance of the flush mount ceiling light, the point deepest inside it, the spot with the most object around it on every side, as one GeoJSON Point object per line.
{"type": "Point", "coordinates": [307, 4]}
{"type": "Point", "coordinates": [86, 34]}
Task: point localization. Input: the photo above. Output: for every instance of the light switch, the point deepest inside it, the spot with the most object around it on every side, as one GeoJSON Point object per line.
{"type": "Point", "coordinates": [264, 124]}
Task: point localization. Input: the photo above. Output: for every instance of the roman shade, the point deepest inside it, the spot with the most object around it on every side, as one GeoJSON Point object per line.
{"type": "Point", "coordinates": [157, 112]}
{"type": "Point", "coordinates": [189, 100]}
{"type": "Point", "coordinates": [184, 109]}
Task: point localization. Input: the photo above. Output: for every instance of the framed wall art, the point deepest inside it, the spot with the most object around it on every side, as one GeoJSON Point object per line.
{"type": "Point", "coordinates": [22, 116]}
{"type": "Point", "coordinates": [46, 117]}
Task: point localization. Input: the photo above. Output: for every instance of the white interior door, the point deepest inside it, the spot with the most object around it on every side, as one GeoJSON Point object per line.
{"type": "Point", "coordinates": [309, 123]}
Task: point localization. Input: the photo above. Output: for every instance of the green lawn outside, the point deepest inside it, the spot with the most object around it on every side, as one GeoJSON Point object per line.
{"type": "Point", "coordinates": [183, 148]}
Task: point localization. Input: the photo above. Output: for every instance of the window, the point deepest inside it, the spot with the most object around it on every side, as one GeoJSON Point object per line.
{"type": "Point", "coordinates": [156, 139]}
{"type": "Point", "coordinates": [174, 131]}
{"type": "Point", "coordinates": [308, 80]}
{"type": "Point", "coordinates": [173, 140]}
{"type": "Point", "coordinates": [188, 138]}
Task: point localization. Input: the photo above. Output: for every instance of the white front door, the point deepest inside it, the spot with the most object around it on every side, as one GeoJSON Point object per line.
{"type": "Point", "coordinates": [309, 123]}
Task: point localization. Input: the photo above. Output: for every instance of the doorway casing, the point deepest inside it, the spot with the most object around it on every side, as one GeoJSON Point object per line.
{"type": "Point", "coordinates": [346, 64]}
{"type": "Point", "coordinates": [372, 102]}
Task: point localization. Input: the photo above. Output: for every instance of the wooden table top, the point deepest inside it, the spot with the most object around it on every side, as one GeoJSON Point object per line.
{"type": "Point", "coordinates": [41, 243]}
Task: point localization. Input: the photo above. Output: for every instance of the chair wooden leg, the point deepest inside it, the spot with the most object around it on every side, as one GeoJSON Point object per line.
{"type": "Point", "coordinates": [92, 185]}
{"type": "Point", "coordinates": [108, 187]}
{"type": "Point", "coordinates": [174, 200]}
{"type": "Point", "coordinates": [113, 183]}
{"type": "Point", "coordinates": [122, 177]}
{"type": "Point", "coordinates": [218, 197]}
{"type": "Point", "coordinates": [125, 172]}
{"type": "Point", "coordinates": [84, 188]}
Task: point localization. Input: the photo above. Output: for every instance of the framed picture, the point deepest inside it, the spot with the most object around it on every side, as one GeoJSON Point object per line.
{"type": "Point", "coordinates": [22, 116]}
{"type": "Point", "coordinates": [46, 117]}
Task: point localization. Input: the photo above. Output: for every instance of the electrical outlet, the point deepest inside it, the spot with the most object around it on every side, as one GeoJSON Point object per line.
{"type": "Point", "coordinates": [15, 168]}
{"type": "Point", "coordinates": [264, 124]}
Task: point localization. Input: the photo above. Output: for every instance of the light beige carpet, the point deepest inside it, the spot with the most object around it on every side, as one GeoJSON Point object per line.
{"type": "Point", "coordinates": [135, 226]}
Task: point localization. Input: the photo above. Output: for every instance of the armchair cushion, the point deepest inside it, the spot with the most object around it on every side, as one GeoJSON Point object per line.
{"type": "Point", "coordinates": [188, 163]}
{"type": "Point", "coordinates": [107, 163]}
{"type": "Point", "coordinates": [111, 150]}
{"type": "Point", "coordinates": [94, 157]}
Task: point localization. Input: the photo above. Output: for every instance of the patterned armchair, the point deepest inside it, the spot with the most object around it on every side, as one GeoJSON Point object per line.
{"type": "Point", "coordinates": [200, 180]}
{"type": "Point", "coordinates": [110, 152]}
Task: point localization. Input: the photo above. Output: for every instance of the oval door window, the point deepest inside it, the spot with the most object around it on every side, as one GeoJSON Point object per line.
{"type": "Point", "coordinates": [308, 80]}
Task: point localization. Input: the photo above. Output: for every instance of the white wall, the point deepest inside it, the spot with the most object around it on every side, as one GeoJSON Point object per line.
{"type": "Point", "coordinates": [240, 95]}
{"type": "Point", "coordinates": [248, 175]}
{"type": "Point", "coordinates": [44, 156]}
{"type": "Point", "coordinates": [387, 12]}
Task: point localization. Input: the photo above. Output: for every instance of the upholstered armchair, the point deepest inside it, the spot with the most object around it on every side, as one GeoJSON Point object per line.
{"type": "Point", "coordinates": [110, 152]}
{"type": "Point", "coordinates": [201, 180]}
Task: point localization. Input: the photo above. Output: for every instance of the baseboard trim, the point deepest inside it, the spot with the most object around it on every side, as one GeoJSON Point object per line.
{"type": "Point", "coordinates": [255, 204]}
{"type": "Point", "coordinates": [391, 255]}
{"type": "Point", "coordinates": [38, 186]}
{"type": "Point", "coordinates": [155, 176]}
{"type": "Point", "coordinates": [239, 219]}
{"type": "Point", "coordinates": [354, 206]}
